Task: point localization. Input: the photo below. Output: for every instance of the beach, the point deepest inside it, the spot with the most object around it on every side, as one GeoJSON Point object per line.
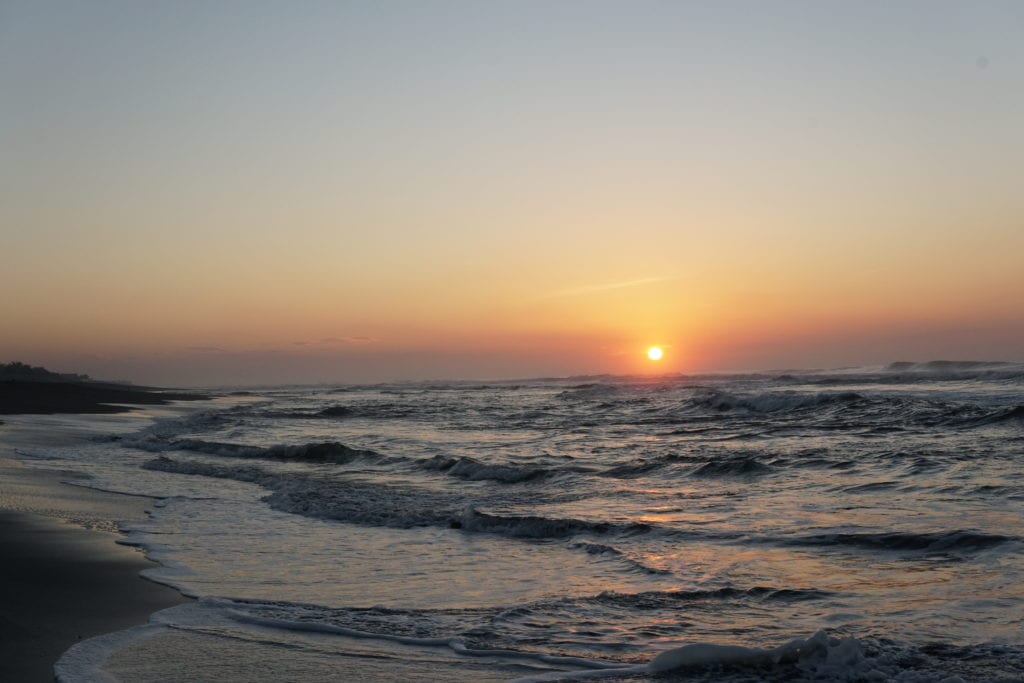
{"type": "Point", "coordinates": [60, 584]}
{"type": "Point", "coordinates": [63, 577]}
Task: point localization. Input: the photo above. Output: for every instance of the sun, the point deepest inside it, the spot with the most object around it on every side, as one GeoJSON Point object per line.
{"type": "Point", "coordinates": [655, 353]}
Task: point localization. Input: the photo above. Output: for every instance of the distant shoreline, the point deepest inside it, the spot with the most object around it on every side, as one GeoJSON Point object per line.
{"type": "Point", "coordinates": [20, 397]}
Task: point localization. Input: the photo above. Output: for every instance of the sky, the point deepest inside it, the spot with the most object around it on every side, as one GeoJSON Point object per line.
{"type": "Point", "coordinates": [197, 193]}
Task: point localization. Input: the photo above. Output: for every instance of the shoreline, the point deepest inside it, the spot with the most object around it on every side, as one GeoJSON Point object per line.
{"type": "Point", "coordinates": [63, 576]}
{"type": "Point", "coordinates": [60, 585]}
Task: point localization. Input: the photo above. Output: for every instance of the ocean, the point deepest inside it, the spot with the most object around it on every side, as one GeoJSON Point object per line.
{"type": "Point", "coordinates": [859, 525]}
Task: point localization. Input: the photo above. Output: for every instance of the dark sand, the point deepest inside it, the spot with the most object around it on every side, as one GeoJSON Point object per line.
{"type": "Point", "coordinates": [60, 584]}
{"type": "Point", "coordinates": [63, 578]}
{"type": "Point", "coordinates": [20, 397]}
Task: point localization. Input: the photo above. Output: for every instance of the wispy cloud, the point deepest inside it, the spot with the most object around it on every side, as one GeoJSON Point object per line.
{"type": "Point", "coordinates": [606, 286]}
{"type": "Point", "coordinates": [334, 341]}
{"type": "Point", "coordinates": [347, 340]}
{"type": "Point", "coordinates": [299, 346]}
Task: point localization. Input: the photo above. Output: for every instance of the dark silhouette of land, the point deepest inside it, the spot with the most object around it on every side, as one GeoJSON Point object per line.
{"type": "Point", "coordinates": [26, 389]}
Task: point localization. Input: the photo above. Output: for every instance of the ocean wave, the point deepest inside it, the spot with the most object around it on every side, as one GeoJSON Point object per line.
{"type": "Point", "coordinates": [1013, 415]}
{"type": "Point", "coordinates": [732, 467]}
{"type": "Point", "coordinates": [500, 630]}
{"type": "Point", "coordinates": [771, 401]}
{"type": "Point", "coordinates": [322, 452]}
{"type": "Point", "coordinates": [642, 466]}
{"type": "Point", "coordinates": [374, 504]}
{"type": "Point", "coordinates": [336, 411]}
{"type": "Point", "coordinates": [343, 500]}
{"type": "Point", "coordinates": [492, 633]}
{"type": "Point", "coordinates": [821, 657]}
{"type": "Point", "coordinates": [637, 468]}
{"type": "Point", "coordinates": [511, 634]}
{"type": "Point", "coordinates": [612, 551]}
{"type": "Point", "coordinates": [905, 372]}
{"type": "Point", "coordinates": [938, 542]}
{"type": "Point", "coordinates": [474, 470]}
{"type": "Point", "coordinates": [770, 413]}
{"type": "Point", "coordinates": [591, 391]}
{"type": "Point", "coordinates": [955, 366]}
{"type": "Point", "coordinates": [722, 466]}
{"type": "Point", "coordinates": [666, 599]}
{"type": "Point", "coordinates": [369, 410]}
{"type": "Point", "coordinates": [460, 645]}
{"type": "Point", "coordinates": [536, 527]}
{"type": "Point", "coordinates": [333, 452]}
{"type": "Point", "coordinates": [199, 421]}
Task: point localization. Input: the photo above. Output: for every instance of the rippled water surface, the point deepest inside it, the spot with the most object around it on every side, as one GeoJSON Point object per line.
{"type": "Point", "coordinates": [543, 528]}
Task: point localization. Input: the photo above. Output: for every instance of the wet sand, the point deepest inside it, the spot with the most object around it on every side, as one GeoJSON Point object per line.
{"type": "Point", "coordinates": [63, 577]}
{"type": "Point", "coordinates": [60, 584]}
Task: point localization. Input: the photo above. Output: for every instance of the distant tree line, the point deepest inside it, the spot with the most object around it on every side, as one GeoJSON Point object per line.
{"type": "Point", "coordinates": [33, 373]}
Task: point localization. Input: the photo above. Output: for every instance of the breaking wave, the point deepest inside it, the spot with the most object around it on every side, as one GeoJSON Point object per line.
{"type": "Point", "coordinates": [318, 452]}
{"type": "Point", "coordinates": [337, 411]}
{"type": "Point", "coordinates": [770, 402]}
{"type": "Point", "coordinates": [529, 526]}
{"type": "Point", "coordinates": [373, 504]}
{"type": "Point", "coordinates": [589, 392]}
{"type": "Point", "coordinates": [732, 467]}
{"type": "Point", "coordinates": [724, 466]}
{"type": "Point", "coordinates": [1014, 415]}
{"type": "Point", "coordinates": [474, 470]}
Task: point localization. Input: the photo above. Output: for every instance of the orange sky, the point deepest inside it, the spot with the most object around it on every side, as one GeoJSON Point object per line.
{"type": "Point", "coordinates": [517, 191]}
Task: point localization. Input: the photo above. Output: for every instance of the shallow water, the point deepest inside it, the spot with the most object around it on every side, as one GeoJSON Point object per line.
{"type": "Point", "coordinates": [494, 531]}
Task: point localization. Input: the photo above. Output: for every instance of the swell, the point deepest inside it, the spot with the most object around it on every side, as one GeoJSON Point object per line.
{"type": "Point", "coordinates": [316, 452]}
{"type": "Point", "coordinates": [474, 470]}
{"type": "Point", "coordinates": [771, 401]}
{"type": "Point", "coordinates": [732, 467]}
{"type": "Point", "coordinates": [342, 411]}
{"type": "Point", "coordinates": [601, 549]}
{"type": "Point", "coordinates": [471, 469]}
{"type": "Point", "coordinates": [959, 541]}
{"type": "Point", "coordinates": [333, 452]}
{"type": "Point", "coordinates": [373, 504]}
{"type": "Point", "coordinates": [1014, 415]}
{"type": "Point", "coordinates": [667, 599]}
{"type": "Point", "coordinates": [536, 527]}
{"type": "Point", "coordinates": [497, 633]}
{"type": "Point", "coordinates": [743, 465]}
{"type": "Point", "coordinates": [502, 626]}
{"type": "Point", "coordinates": [512, 633]}
{"type": "Point", "coordinates": [767, 412]}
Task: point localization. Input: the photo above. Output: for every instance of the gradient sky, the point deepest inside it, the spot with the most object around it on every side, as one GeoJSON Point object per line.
{"type": "Point", "coordinates": [206, 192]}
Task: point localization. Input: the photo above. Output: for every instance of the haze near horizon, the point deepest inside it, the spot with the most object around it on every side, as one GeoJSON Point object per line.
{"type": "Point", "coordinates": [245, 193]}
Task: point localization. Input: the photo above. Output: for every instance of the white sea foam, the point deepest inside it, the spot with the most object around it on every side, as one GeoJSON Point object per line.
{"type": "Point", "coordinates": [83, 661]}
{"type": "Point", "coordinates": [820, 657]}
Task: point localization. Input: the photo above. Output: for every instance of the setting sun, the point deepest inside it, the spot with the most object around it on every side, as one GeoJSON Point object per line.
{"type": "Point", "coordinates": [655, 353]}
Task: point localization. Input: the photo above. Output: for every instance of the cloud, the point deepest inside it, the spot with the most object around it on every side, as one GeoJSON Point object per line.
{"type": "Point", "coordinates": [300, 346]}
{"type": "Point", "coordinates": [606, 286]}
{"type": "Point", "coordinates": [347, 340]}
